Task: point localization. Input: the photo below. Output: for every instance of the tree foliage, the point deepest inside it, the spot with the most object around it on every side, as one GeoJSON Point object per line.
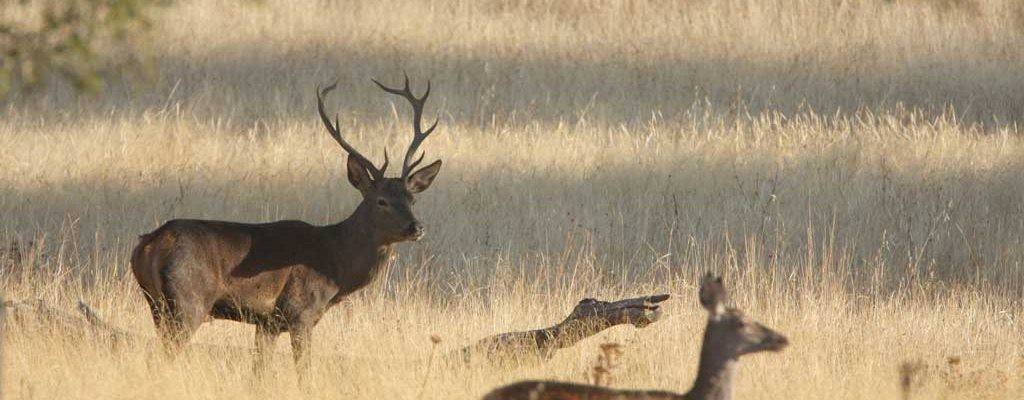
{"type": "Point", "coordinates": [78, 41]}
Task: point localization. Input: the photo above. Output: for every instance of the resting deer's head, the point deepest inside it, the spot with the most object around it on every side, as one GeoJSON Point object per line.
{"type": "Point", "coordinates": [730, 333]}
{"type": "Point", "coordinates": [388, 201]}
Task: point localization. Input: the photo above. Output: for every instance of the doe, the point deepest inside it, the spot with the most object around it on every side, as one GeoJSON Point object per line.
{"type": "Point", "coordinates": [728, 336]}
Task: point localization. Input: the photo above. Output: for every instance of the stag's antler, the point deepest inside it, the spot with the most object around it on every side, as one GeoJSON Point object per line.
{"type": "Point", "coordinates": [417, 116]}
{"type": "Point", "coordinates": [335, 131]}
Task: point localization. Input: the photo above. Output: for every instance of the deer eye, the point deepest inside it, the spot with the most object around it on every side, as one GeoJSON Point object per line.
{"type": "Point", "coordinates": [382, 202]}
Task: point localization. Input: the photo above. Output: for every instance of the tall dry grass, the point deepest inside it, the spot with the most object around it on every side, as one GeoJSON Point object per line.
{"type": "Point", "coordinates": [852, 168]}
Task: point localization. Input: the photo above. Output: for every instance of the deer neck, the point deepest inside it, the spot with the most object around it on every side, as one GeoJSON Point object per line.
{"type": "Point", "coordinates": [357, 231]}
{"type": "Point", "coordinates": [715, 375]}
{"type": "Point", "coordinates": [359, 249]}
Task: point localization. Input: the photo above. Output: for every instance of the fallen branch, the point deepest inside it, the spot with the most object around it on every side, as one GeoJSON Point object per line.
{"type": "Point", "coordinates": [36, 315]}
{"type": "Point", "coordinates": [87, 326]}
{"type": "Point", "coordinates": [588, 318]}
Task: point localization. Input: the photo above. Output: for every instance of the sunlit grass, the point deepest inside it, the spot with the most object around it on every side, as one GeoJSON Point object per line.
{"type": "Point", "coordinates": [852, 168]}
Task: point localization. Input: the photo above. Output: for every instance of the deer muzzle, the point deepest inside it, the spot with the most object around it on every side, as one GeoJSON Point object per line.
{"type": "Point", "coordinates": [414, 231]}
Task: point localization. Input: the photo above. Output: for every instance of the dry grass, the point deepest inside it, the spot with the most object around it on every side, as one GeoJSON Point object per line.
{"type": "Point", "coordinates": [852, 168]}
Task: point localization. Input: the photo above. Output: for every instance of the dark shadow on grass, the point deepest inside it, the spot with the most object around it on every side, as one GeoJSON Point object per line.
{"type": "Point", "coordinates": [259, 83]}
{"type": "Point", "coordinates": [961, 226]}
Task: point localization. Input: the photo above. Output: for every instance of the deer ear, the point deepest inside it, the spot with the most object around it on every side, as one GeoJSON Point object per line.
{"type": "Point", "coordinates": [713, 295]}
{"type": "Point", "coordinates": [358, 175]}
{"type": "Point", "coordinates": [421, 180]}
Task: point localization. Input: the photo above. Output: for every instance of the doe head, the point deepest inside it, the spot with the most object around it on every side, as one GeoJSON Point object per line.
{"type": "Point", "coordinates": [730, 333]}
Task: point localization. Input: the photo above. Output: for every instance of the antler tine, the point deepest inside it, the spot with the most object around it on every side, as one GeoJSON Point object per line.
{"type": "Point", "coordinates": [426, 92]}
{"type": "Point", "coordinates": [384, 167]}
{"type": "Point", "coordinates": [418, 161]}
{"type": "Point", "coordinates": [404, 91]}
{"type": "Point", "coordinates": [335, 131]}
{"type": "Point", "coordinates": [417, 125]}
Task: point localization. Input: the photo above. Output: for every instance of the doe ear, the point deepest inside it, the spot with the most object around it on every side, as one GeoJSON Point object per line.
{"type": "Point", "coordinates": [421, 180]}
{"type": "Point", "coordinates": [358, 175]}
{"type": "Point", "coordinates": [713, 295]}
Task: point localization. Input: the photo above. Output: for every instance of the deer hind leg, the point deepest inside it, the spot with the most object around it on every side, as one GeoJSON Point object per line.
{"type": "Point", "coordinates": [266, 335]}
{"type": "Point", "coordinates": [162, 319]}
{"type": "Point", "coordinates": [187, 309]}
{"type": "Point", "coordinates": [161, 313]}
{"type": "Point", "coordinates": [180, 322]}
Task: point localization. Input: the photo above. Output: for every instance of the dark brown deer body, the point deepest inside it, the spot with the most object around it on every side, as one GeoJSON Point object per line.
{"type": "Point", "coordinates": [281, 276]}
{"type": "Point", "coordinates": [728, 336]}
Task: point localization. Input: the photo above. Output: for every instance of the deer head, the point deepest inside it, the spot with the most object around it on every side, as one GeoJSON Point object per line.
{"type": "Point", "coordinates": [729, 333]}
{"type": "Point", "coordinates": [387, 202]}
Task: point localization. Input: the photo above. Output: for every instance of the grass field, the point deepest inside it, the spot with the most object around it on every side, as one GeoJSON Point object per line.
{"type": "Point", "coordinates": [854, 169]}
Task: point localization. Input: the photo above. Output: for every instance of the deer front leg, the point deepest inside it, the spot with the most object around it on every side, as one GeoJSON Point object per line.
{"type": "Point", "coordinates": [306, 305]}
{"type": "Point", "coordinates": [301, 335]}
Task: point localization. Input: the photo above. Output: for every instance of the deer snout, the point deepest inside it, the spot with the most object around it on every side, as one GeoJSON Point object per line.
{"type": "Point", "coordinates": [414, 231]}
{"type": "Point", "coordinates": [774, 341]}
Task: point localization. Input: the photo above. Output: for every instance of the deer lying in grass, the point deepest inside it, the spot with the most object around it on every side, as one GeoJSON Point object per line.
{"type": "Point", "coordinates": [282, 276]}
{"type": "Point", "coordinates": [727, 336]}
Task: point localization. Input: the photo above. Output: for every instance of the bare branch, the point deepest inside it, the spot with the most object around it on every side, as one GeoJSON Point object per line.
{"type": "Point", "coordinates": [588, 318]}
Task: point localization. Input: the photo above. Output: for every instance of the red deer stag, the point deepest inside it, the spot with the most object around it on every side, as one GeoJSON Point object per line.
{"type": "Point", "coordinates": [728, 335]}
{"type": "Point", "coordinates": [282, 276]}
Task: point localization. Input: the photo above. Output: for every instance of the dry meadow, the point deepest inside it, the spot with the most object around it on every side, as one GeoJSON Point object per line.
{"type": "Point", "coordinates": [854, 169]}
